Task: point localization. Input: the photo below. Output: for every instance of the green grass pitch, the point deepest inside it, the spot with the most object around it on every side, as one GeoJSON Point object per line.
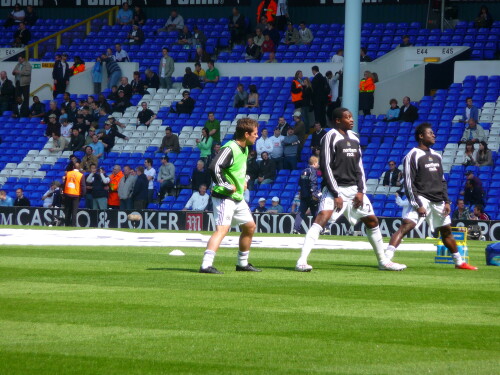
{"type": "Point", "coordinates": [108, 310]}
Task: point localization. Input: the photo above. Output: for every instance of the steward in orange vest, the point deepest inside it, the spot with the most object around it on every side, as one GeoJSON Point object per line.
{"type": "Point", "coordinates": [267, 8]}
{"type": "Point", "coordinates": [114, 181]}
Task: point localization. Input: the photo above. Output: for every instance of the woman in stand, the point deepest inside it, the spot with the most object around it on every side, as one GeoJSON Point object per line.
{"type": "Point", "coordinates": [483, 155]}
{"type": "Point", "coordinates": [469, 154]}
{"type": "Point", "coordinates": [253, 97]}
{"type": "Point", "coordinates": [204, 144]}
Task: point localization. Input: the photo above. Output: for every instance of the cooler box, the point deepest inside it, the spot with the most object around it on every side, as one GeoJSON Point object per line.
{"type": "Point", "coordinates": [492, 253]}
{"type": "Point", "coordinates": [443, 255]}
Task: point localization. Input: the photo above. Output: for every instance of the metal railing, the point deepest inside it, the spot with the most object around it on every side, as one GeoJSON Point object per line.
{"type": "Point", "coordinates": [110, 13]}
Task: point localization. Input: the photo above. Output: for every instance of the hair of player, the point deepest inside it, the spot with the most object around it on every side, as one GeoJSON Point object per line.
{"type": "Point", "coordinates": [313, 160]}
{"type": "Point", "coordinates": [338, 113]}
{"type": "Point", "coordinates": [245, 125]}
{"type": "Point", "coordinates": [420, 130]}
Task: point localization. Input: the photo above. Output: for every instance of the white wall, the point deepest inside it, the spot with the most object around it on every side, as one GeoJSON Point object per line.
{"type": "Point", "coordinates": [477, 68]}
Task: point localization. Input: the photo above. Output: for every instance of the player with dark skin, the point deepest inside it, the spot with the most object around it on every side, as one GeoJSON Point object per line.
{"type": "Point", "coordinates": [343, 125]}
{"type": "Point", "coordinates": [426, 140]}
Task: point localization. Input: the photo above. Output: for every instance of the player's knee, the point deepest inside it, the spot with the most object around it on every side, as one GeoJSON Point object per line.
{"type": "Point", "coordinates": [370, 221]}
{"type": "Point", "coordinates": [249, 227]}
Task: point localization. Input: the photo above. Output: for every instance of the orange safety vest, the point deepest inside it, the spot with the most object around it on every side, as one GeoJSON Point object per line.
{"type": "Point", "coordinates": [72, 185]}
{"type": "Point", "coordinates": [78, 69]}
{"type": "Point", "coordinates": [269, 12]}
{"type": "Point", "coordinates": [366, 85]}
{"type": "Point", "coordinates": [114, 181]}
{"type": "Point", "coordinates": [299, 96]}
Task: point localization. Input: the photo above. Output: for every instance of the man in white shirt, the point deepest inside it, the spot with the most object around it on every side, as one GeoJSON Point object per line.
{"type": "Point", "coordinates": [277, 151]}
{"type": "Point", "coordinates": [264, 144]}
{"type": "Point", "coordinates": [120, 54]}
{"type": "Point", "coordinates": [338, 57]}
{"type": "Point", "coordinates": [150, 173]}
{"type": "Point", "coordinates": [199, 200]}
{"type": "Point", "coordinates": [174, 22]}
{"type": "Point", "coordinates": [166, 69]}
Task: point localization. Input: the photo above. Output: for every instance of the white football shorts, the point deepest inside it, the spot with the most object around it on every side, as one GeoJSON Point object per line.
{"type": "Point", "coordinates": [347, 194]}
{"type": "Point", "coordinates": [434, 213]}
{"type": "Point", "coordinates": [228, 212]}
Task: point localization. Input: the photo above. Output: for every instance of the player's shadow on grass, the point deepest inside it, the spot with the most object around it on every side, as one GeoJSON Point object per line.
{"type": "Point", "coordinates": [173, 269]}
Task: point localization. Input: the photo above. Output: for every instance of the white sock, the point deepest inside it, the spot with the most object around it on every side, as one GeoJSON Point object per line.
{"type": "Point", "coordinates": [375, 239]}
{"type": "Point", "coordinates": [208, 259]}
{"type": "Point", "coordinates": [243, 258]}
{"type": "Point", "coordinates": [391, 248]}
{"type": "Point", "coordinates": [311, 238]}
{"type": "Point", "coordinates": [457, 259]}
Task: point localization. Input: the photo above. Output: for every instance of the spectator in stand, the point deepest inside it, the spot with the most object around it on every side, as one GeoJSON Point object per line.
{"type": "Point", "coordinates": [484, 18]}
{"type": "Point", "coordinates": [140, 191]}
{"type": "Point", "coordinates": [74, 189]}
{"type": "Point", "coordinates": [5, 200]}
{"type": "Point", "coordinates": [170, 142]}
{"type": "Point", "coordinates": [199, 72]}
{"type": "Point", "coordinates": [282, 16]}
{"type": "Point", "coordinates": [277, 151]}
{"type": "Point", "coordinates": [267, 9]}
{"type": "Point", "coordinates": [114, 181]}
{"type": "Point", "coordinates": [166, 69]}
{"type": "Point", "coordinates": [338, 58]}
{"type": "Point", "coordinates": [152, 80]}
{"type": "Point", "coordinates": [113, 70]}
{"type": "Point", "coordinates": [366, 93]}
{"type": "Point", "coordinates": [30, 16]}
{"type": "Point", "coordinates": [393, 112]}
{"type": "Point", "coordinates": [472, 193]}
{"type": "Point", "coordinates": [20, 108]}
{"type": "Point", "coordinates": [190, 80]}
{"type": "Point", "coordinates": [307, 102]}
{"type": "Point", "coordinates": [89, 159]}
{"type": "Point", "coordinates": [80, 124]}
{"type": "Point", "coordinates": [253, 97]}
{"type": "Point", "coordinates": [283, 126]}
{"type": "Point", "coordinates": [334, 81]}
{"type": "Point", "coordinates": [137, 84]}
{"type": "Point", "coordinates": [66, 128]}
{"type": "Point", "coordinates": [59, 144]}
{"type": "Point", "coordinates": [461, 212]}
{"type": "Point", "coordinates": [21, 200]}
{"type": "Point", "coordinates": [97, 147]}
{"type": "Point", "coordinates": [166, 178]}
{"type": "Point", "coordinates": [120, 54]}
{"type": "Point", "coordinates": [174, 22]}
{"type": "Point", "coordinates": [240, 97]}
{"type": "Point", "coordinates": [200, 176]}
{"type": "Point", "coordinates": [406, 41]}
{"type": "Point", "coordinates": [201, 56]}
{"type": "Point", "coordinates": [53, 110]}
{"type": "Point", "coordinates": [113, 95]}
{"type": "Point", "coordinates": [102, 118]}
{"type": "Point", "coordinates": [99, 182]}
{"type": "Point", "coordinates": [139, 17]}
{"type": "Point", "coordinates": [212, 74]}
{"type": "Point", "coordinates": [408, 112]}
{"type": "Point", "coordinates": [52, 126]}
{"type": "Point", "coordinates": [78, 66]}
{"type": "Point", "coordinates": [263, 144]}
{"type": "Point", "coordinates": [77, 140]}
{"type": "Point", "coordinates": [145, 116]}
{"type": "Point", "coordinates": [320, 91]}
{"type": "Point", "coordinates": [108, 135]}
{"type": "Point", "coordinates": [276, 207]}
{"type": "Point", "coordinates": [48, 197]}
{"type": "Point", "coordinates": [213, 126]}
{"type": "Point", "coordinates": [258, 38]}
{"type": "Point", "coordinates": [125, 16]}
{"type": "Point", "coordinates": [268, 45]}
{"type": "Point", "coordinates": [291, 35]}
{"type": "Point", "coordinates": [126, 188]}
{"type": "Point", "coordinates": [272, 58]}
{"type": "Point", "coordinates": [316, 137]}
{"type": "Point", "coordinates": [262, 25]}
{"type": "Point", "coordinates": [469, 154]}
{"type": "Point", "coordinates": [7, 92]}
{"type": "Point", "coordinates": [470, 111]}
{"type": "Point", "coordinates": [122, 103]}
{"type": "Point", "coordinates": [150, 173]}
{"type": "Point", "coordinates": [136, 35]}
{"type": "Point", "coordinates": [478, 213]}
{"type": "Point", "coordinates": [215, 151]}
{"type": "Point", "coordinates": [267, 170]}
{"type": "Point", "coordinates": [393, 176]}
{"type": "Point", "coordinates": [273, 33]}
{"type": "Point", "coordinates": [363, 57]}
{"type": "Point", "coordinates": [16, 16]}
{"type": "Point", "coordinates": [204, 144]}
{"type": "Point", "coordinates": [185, 105]}
{"type": "Point", "coordinates": [252, 51]}
{"type": "Point", "coordinates": [17, 43]}
{"type": "Point", "coordinates": [290, 149]}
{"type": "Point", "coordinates": [23, 33]}
{"type": "Point", "coordinates": [252, 169]}
{"type": "Point", "coordinates": [474, 133]}
{"type": "Point", "coordinates": [237, 26]}
{"type": "Point", "coordinates": [199, 200]}
{"type": "Point", "coordinates": [198, 39]}
{"type": "Point", "coordinates": [109, 54]}
{"type": "Point", "coordinates": [22, 74]}
{"type": "Point", "coordinates": [309, 193]}
{"type": "Point", "coordinates": [484, 156]}
{"type": "Point", "coordinates": [299, 129]}
{"type": "Point", "coordinates": [184, 37]}
{"type": "Point", "coordinates": [305, 35]}
{"type": "Point", "coordinates": [261, 208]}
